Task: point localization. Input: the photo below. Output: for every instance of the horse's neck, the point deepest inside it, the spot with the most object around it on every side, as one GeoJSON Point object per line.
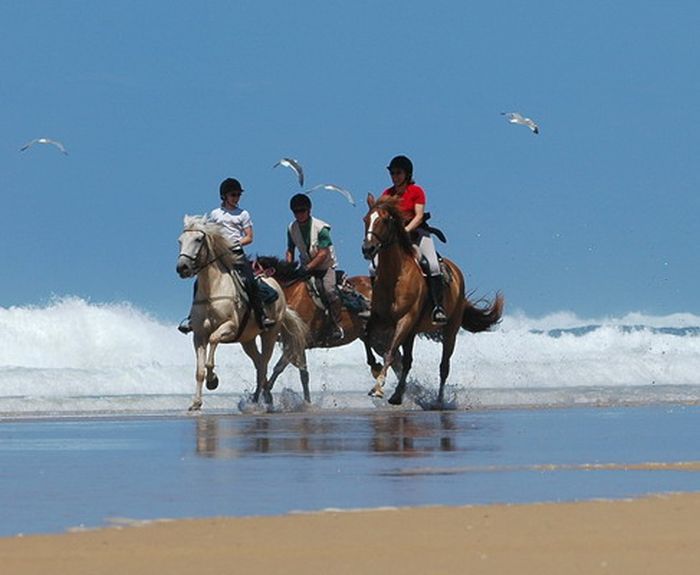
{"type": "Point", "coordinates": [215, 280]}
{"type": "Point", "coordinates": [391, 264]}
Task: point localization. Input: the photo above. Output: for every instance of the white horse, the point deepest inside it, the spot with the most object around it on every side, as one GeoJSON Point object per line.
{"type": "Point", "coordinates": [220, 310]}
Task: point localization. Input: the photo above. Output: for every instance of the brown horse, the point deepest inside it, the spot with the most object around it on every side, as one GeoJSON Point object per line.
{"type": "Point", "coordinates": [401, 307]}
{"type": "Point", "coordinates": [309, 308]}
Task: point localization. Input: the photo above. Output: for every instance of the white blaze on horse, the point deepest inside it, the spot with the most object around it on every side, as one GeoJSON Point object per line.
{"type": "Point", "coordinates": [221, 312]}
{"type": "Point", "coordinates": [401, 307]}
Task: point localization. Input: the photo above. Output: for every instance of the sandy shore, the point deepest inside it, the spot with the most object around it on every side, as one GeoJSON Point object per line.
{"type": "Point", "coordinates": [659, 534]}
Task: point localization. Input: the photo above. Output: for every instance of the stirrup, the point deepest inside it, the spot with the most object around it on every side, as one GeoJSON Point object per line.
{"type": "Point", "coordinates": [439, 317]}
{"type": "Point", "coordinates": [337, 333]}
{"type": "Point", "coordinates": [364, 314]}
{"type": "Point", "coordinates": [185, 326]}
{"type": "Point", "coordinates": [267, 322]}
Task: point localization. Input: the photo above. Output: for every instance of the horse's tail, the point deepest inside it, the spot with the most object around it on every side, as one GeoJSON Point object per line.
{"type": "Point", "coordinates": [476, 319]}
{"type": "Point", "coordinates": [294, 334]}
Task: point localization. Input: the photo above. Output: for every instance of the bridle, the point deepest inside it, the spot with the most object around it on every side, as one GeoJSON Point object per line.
{"type": "Point", "coordinates": [382, 242]}
{"type": "Point", "coordinates": [196, 269]}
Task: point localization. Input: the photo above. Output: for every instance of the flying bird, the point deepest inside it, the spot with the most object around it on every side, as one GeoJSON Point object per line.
{"type": "Point", "coordinates": [292, 164]}
{"type": "Point", "coordinates": [332, 188]}
{"type": "Point", "coordinates": [515, 118]}
{"type": "Point", "coordinates": [56, 143]}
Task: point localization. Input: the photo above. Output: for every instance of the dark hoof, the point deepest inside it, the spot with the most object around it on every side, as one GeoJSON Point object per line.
{"type": "Point", "coordinates": [267, 397]}
{"type": "Point", "coordinates": [212, 382]}
{"type": "Point", "coordinates": [395, 399]}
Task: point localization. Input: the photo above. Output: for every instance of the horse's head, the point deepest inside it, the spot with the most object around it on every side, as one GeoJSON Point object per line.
{"type": "Point", "coordinates": [383, 226]}
{"type": "Point", "coordinates": [193, 246]}
{"type": "Point", "coordinates": [202, 243]}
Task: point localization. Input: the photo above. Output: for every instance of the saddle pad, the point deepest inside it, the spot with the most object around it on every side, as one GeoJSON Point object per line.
{"type": "Point", "coordinates": [268, 294]}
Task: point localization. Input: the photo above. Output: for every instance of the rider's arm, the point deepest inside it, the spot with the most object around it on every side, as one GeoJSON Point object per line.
{"type": "Point", "coordinates": [247, 237]}
{"type": "Point", "coordinates": [417, 220]}
{"type": "Point", "coordinates": [318, 259]}
{"type": "Point", "coordinates": [324, 248]}
{"type": "Point", "coordinates": [289, 254]}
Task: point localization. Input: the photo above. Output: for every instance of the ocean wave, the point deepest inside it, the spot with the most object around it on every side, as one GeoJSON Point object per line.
{"type": "Point", "coordinates": [73, 348]}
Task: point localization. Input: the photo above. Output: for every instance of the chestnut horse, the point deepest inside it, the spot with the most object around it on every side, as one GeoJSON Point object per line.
{"type": "Point", "coordinates": [220, 311]}
{"type": "Point", "coordinates": [299, 298]}
{"type": "Point", "coordinates": [401, 306]}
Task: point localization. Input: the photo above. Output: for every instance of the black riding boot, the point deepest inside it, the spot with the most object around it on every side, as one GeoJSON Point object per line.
{"type": "Point", "coordinates": [435, 288]}
{"type": "Point", "coordinates": [251, 286]}
{"type": "Point", "coordinates": [335, 309]}
{"type": "Point", "coordinates": [186, 324]}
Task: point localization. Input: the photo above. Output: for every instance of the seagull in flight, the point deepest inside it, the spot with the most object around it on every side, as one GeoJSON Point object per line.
{"type": "Point", "coordinates": [56, 143]}
{"type": "Point", "coordinates": [333, 188]}
{"type": "Point", "coordinates": [515, 118]}
{"type": "Point", "coordinates": [293, 165]}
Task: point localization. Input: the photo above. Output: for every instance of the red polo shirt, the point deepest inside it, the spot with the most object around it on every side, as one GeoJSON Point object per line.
{"type": "Point", "coordinates": [407, 203]}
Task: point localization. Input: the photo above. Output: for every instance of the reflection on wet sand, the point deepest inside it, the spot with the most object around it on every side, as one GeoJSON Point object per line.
{"type": "Point", "coordinates": [400, 434]}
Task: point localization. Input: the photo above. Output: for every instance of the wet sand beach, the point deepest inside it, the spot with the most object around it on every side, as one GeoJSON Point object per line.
{"type": "Point", "coordinates": [651, 535]}
{"type": "Point", "coordinates": [492, 491]}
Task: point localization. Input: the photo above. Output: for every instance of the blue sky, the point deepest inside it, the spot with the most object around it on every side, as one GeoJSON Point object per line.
{"type": "Point", "coordinates": [158, 101]}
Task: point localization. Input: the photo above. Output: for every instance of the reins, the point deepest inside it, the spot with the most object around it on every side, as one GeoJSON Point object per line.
{"type": "Point", "coordinates": [195, 269]}
{"type": "Point", "coordinates": [384, 242]}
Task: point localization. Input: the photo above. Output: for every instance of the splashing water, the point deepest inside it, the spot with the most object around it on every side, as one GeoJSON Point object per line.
{"type": "Point", "coordinates": [72, 356]}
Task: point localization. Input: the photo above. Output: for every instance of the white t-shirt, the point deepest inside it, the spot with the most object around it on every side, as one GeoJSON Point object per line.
{"type": "Point", "coordinates": [234, 222]}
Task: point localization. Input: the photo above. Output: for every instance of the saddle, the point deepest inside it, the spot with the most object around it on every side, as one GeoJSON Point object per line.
{"type": "Point", "coordinates": [445, 271]}
{"type": "Point", "coordinates": [267, 293]}
{"type": "Point", "coordinates": [351, 299]}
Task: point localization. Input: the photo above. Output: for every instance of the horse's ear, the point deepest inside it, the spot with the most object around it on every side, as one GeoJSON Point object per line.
{"type": "Point", "coordinates": [370, 200]}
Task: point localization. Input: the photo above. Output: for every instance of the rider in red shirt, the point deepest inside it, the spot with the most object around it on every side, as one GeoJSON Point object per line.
{"type": "Point", "coordinates": [412, 204]}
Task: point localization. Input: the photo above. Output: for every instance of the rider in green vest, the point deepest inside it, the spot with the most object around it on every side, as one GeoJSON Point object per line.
{"type": "Point", "coordinates": [311, 237]}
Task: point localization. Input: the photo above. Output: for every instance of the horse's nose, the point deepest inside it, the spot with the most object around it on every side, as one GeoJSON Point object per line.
{"type": "Point", "coordinates": [368, 250]}
{"type": "Point", "coordinates": [182, 268]}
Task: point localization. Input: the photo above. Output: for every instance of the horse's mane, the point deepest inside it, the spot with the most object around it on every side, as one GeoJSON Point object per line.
{"type": "Point", "coordinates": [283, 271]}
{"type": "Point", "coordinates": [219, 245]}
{"type": "Point", "coordinates": [390, 204]}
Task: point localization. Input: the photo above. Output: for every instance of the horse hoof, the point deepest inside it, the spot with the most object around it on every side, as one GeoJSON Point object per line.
{"type": "Point", "coordinates": [212, 382]}
{"type": "Point", "coordinates": [376, 392]}
{"type": "Point", "coordinates": [395, 399]}
{"type": "Point", "coordinates": [267, 398]}
{"type": "Point", "coordinates": [196, 406]}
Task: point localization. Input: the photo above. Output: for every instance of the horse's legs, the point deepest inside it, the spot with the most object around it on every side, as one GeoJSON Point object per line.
{"type": "Point", "coordinates": [200, 372]}
{"type": "Point", "coordinates": [225, 330]}
{"type": "Point", "coordinates": [397, 396]}
{"type": "Point", "coordinates": [397, 366]}
{"type": "Point", "coordinates": [280, 366]}
{"type": "Point", "coordinates": [251, 350]}
{"type": "Point", "coordinates": [267, 347]}
{"type": "Point", "coordinates": [403, 327]}
{"type": "Point", "coordinates": [448, 346]}
{"type": "Point", "coordinates": [304, 377]}
{"type": "Point", "coordinates": [374, 365]}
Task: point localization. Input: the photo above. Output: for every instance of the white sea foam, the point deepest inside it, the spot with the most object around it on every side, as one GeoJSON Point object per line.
{"type": "Point", "coordinates": [75, 356]}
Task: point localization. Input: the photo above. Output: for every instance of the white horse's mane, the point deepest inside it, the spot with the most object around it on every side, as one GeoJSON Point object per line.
{"type": "Point", "coordinates": [205, 225]}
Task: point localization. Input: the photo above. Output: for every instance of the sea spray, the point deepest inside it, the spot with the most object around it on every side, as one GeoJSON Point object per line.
{"type": "Point", "coordinates": [73, 354]}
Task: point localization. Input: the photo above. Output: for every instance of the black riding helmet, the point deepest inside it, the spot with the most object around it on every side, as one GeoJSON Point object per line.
{"type": "Point", "coordinates": [229, 185]}
{"type": "Point", "coordinates": [300, 201]}
{"type": "Point", "coordinates": [402, 163]}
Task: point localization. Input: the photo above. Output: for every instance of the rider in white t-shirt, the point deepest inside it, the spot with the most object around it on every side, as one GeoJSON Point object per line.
{"type": "Point", "coordinates": [238, 227]}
